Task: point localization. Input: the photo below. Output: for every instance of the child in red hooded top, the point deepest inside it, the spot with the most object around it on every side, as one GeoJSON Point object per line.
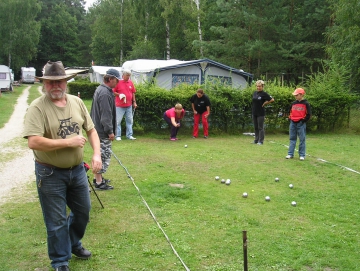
{"type": "Point", "coordinates": [300, 113]}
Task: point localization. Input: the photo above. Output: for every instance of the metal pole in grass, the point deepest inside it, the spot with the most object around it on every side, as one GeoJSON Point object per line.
{"type": "Point", "coordinates": [245, 251]}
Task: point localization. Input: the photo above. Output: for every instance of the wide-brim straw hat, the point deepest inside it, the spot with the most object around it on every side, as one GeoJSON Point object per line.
{"type": "Point", "coordinates": [55, 71]}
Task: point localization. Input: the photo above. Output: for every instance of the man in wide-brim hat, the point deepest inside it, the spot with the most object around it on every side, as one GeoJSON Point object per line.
{"type": "Point", "coordinates": [54, 71]}
{"type": "Point", "coordinates": [53, 127]}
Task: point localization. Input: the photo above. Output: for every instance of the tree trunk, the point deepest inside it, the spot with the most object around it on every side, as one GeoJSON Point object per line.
{"type": "Point", "coordinates": [167, 40]}
{"type": "Point", "coordinates": [197, 2]}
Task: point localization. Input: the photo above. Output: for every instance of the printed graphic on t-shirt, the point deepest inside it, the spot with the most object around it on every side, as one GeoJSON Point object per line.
{"type": "Point", "coordinates": [67, 128]}
{"type": "Point", "coordinates": [299, 108]}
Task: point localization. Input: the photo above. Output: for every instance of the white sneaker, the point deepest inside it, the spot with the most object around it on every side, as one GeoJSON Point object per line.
{"type": "Point", "coordinates": [131, 138]}
{"type": "Point", "coordinates": [302, 158]}
{"type": "Point", "coordinates": [118, 138]}
{"type": "Point", "coordinates": [289, 156]}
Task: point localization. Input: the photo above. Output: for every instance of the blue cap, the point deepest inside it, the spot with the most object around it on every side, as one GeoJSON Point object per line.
{"type": "Point", "coordinates": [113, 72]}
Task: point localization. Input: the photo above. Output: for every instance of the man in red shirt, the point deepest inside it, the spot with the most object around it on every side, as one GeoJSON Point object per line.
{"type": "Point", "coordinates": [125, 104]}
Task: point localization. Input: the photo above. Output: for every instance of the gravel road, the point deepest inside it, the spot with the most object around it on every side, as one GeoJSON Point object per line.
{"type": "Point", "coordinates": [18, 172]}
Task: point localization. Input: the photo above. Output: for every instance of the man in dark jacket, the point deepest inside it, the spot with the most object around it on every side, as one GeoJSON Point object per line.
{"type": "Point", "coordinates": [103, 114]}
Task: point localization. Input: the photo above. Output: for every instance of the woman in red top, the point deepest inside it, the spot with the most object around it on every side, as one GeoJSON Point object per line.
{"type": "Point", "coordinates": [173, 116]}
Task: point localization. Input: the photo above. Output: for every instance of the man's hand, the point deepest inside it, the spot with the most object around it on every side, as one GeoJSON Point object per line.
{"type": "Point", "coordinates": [77, 141]}
{"type": "Point", "coordinates": [96, 163]}
{"type": "Point", "coordinates": [112, 136]}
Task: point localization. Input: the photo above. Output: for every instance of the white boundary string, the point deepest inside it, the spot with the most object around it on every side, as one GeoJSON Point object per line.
{"type": "Point", "coordinates": [322, 160]}
{"type": "Point", "coordinates": [152, 214]}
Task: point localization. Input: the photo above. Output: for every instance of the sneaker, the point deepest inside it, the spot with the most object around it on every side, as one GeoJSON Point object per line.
{"type": "Point", "coordinates": [62, 268]}
{"type": "Point", "coordinates": [194, 136]}
{"type": "Point", "coordinates": [172, 139]}
{"type": "Point", "coordinates": [205, 137]}
{"type": "Point", "coordinates": [302, 158]}
{"type": "Point", "coordinates": [259, 143]}
{"type": "Point", "coordinates": [289, 156]}
{"type": "Point", "coordinates": [81, 253]}
{"type": "Point", "coordinates": [131, 138]}
{"type": "Point", "coordinates": [104, 180]}
{"type": "Point", "coordinates": [103, 186]}
{"type": "Point", "coordinates": [118, 138]}
{"type": "Point", "coordinates": [254, 142]}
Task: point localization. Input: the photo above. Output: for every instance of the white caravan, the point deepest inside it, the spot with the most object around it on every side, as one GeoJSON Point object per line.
{"type": "Point", "coordinates": [5, 78]}
{"type": "Point", "coordinates": [28, 75]}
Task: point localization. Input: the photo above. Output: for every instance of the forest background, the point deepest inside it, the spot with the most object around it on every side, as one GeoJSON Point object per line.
{"type": "Point", "coordinates": [270, 39]}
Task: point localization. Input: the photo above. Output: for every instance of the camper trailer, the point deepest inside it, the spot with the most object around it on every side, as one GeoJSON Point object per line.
{"type": "Point", "coordinates": [5, 78]}
{"type": "Point", "coordinates": [28, 75]}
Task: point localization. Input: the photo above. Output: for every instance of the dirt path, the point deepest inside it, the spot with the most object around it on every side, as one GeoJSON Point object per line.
{"type": "Point", "coordinates": [16, 173]}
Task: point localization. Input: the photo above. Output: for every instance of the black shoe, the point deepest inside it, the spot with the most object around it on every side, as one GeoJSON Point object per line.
{"type": "Point", "coordinates": [103, 186]}
{"type": "Point", "coordinates": [104, 180]}
{"type": "Point", "coordinates": [254, 142]}
{"type": "Point", "coordinates": [62, 268]}
{"type": "Point", "coordinates": [81, 253]}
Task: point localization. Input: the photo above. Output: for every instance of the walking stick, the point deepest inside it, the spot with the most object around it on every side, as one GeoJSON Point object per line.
{"type": "Point", "coordinates": [87, 167]}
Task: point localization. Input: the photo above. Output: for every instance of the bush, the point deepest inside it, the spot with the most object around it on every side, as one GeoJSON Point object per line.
{"type": "Point", "coordinates": [231, 108]}
{"type": "Point", "coordinates": [84, 89]}
{"type": "Point", "coordinates": [330, 99]}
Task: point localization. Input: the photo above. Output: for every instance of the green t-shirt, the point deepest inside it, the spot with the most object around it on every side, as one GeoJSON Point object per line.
{"type": "Point", "coordinates": [44, 118]}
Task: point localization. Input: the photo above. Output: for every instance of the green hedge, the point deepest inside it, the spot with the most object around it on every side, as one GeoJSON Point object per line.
{"type": "Point", "coordinates": [231, 108]}
{"type": "Point", "coordinates": [84, 89]}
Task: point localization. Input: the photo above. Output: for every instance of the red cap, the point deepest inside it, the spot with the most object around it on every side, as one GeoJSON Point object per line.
{"type": "Point", "coordinates": [299, 91]}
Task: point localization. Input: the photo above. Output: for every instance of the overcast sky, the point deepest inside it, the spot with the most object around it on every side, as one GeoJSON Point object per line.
{"type": "Point", "coordinates": [89, 3]}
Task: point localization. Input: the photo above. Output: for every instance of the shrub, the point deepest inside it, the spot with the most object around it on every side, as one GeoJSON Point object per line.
{"type": "Point", "coordinates": [231, 108]}
{"type": "Point", "coordinates": [84, 89]}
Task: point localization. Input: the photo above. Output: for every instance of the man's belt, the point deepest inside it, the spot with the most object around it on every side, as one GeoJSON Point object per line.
{"type": "Point", "coordinates": [54, 167]}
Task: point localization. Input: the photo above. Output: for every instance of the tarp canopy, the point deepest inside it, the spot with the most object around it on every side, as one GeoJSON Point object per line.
{"type": "Point", "coordinates": [150, 65]}
{"type": "Point", "coordinates": [170, 73]}
{"type": "Point", "coordinates": [72, 71]}
{"type": "Point", "coordinates": [97, 72]}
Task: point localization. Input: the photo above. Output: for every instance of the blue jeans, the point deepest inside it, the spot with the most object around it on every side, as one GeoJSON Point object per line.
{"type": "Point", "coordinates": [297, 130]}
{"type": "Point", "coordinates": [58, 188]}
{"type": "Point", "coordinates": [120, 112]}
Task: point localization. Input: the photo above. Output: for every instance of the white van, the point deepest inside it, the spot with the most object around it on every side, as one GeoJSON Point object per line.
{"type": "Point", "coordinates": [28, 75]}
{"type": "Point", "coordinates": [5, 78]}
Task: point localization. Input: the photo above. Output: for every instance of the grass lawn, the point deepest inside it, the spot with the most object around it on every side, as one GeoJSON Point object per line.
{"type": "Point", "coordinates": [204, 219]}
{"type": "Point", "coordinates": [7, 102]}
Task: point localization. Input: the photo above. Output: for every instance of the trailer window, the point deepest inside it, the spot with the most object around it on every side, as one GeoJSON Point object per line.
{"type": "Point", "coordinates": [2, 75]}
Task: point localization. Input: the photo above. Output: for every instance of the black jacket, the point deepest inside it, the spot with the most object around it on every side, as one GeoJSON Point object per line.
{"type": "Point", "coordinates": [103, 111]}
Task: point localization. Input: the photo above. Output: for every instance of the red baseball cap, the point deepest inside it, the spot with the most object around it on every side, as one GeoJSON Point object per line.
{"type": "Point", "coordinates": [299, 91]}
